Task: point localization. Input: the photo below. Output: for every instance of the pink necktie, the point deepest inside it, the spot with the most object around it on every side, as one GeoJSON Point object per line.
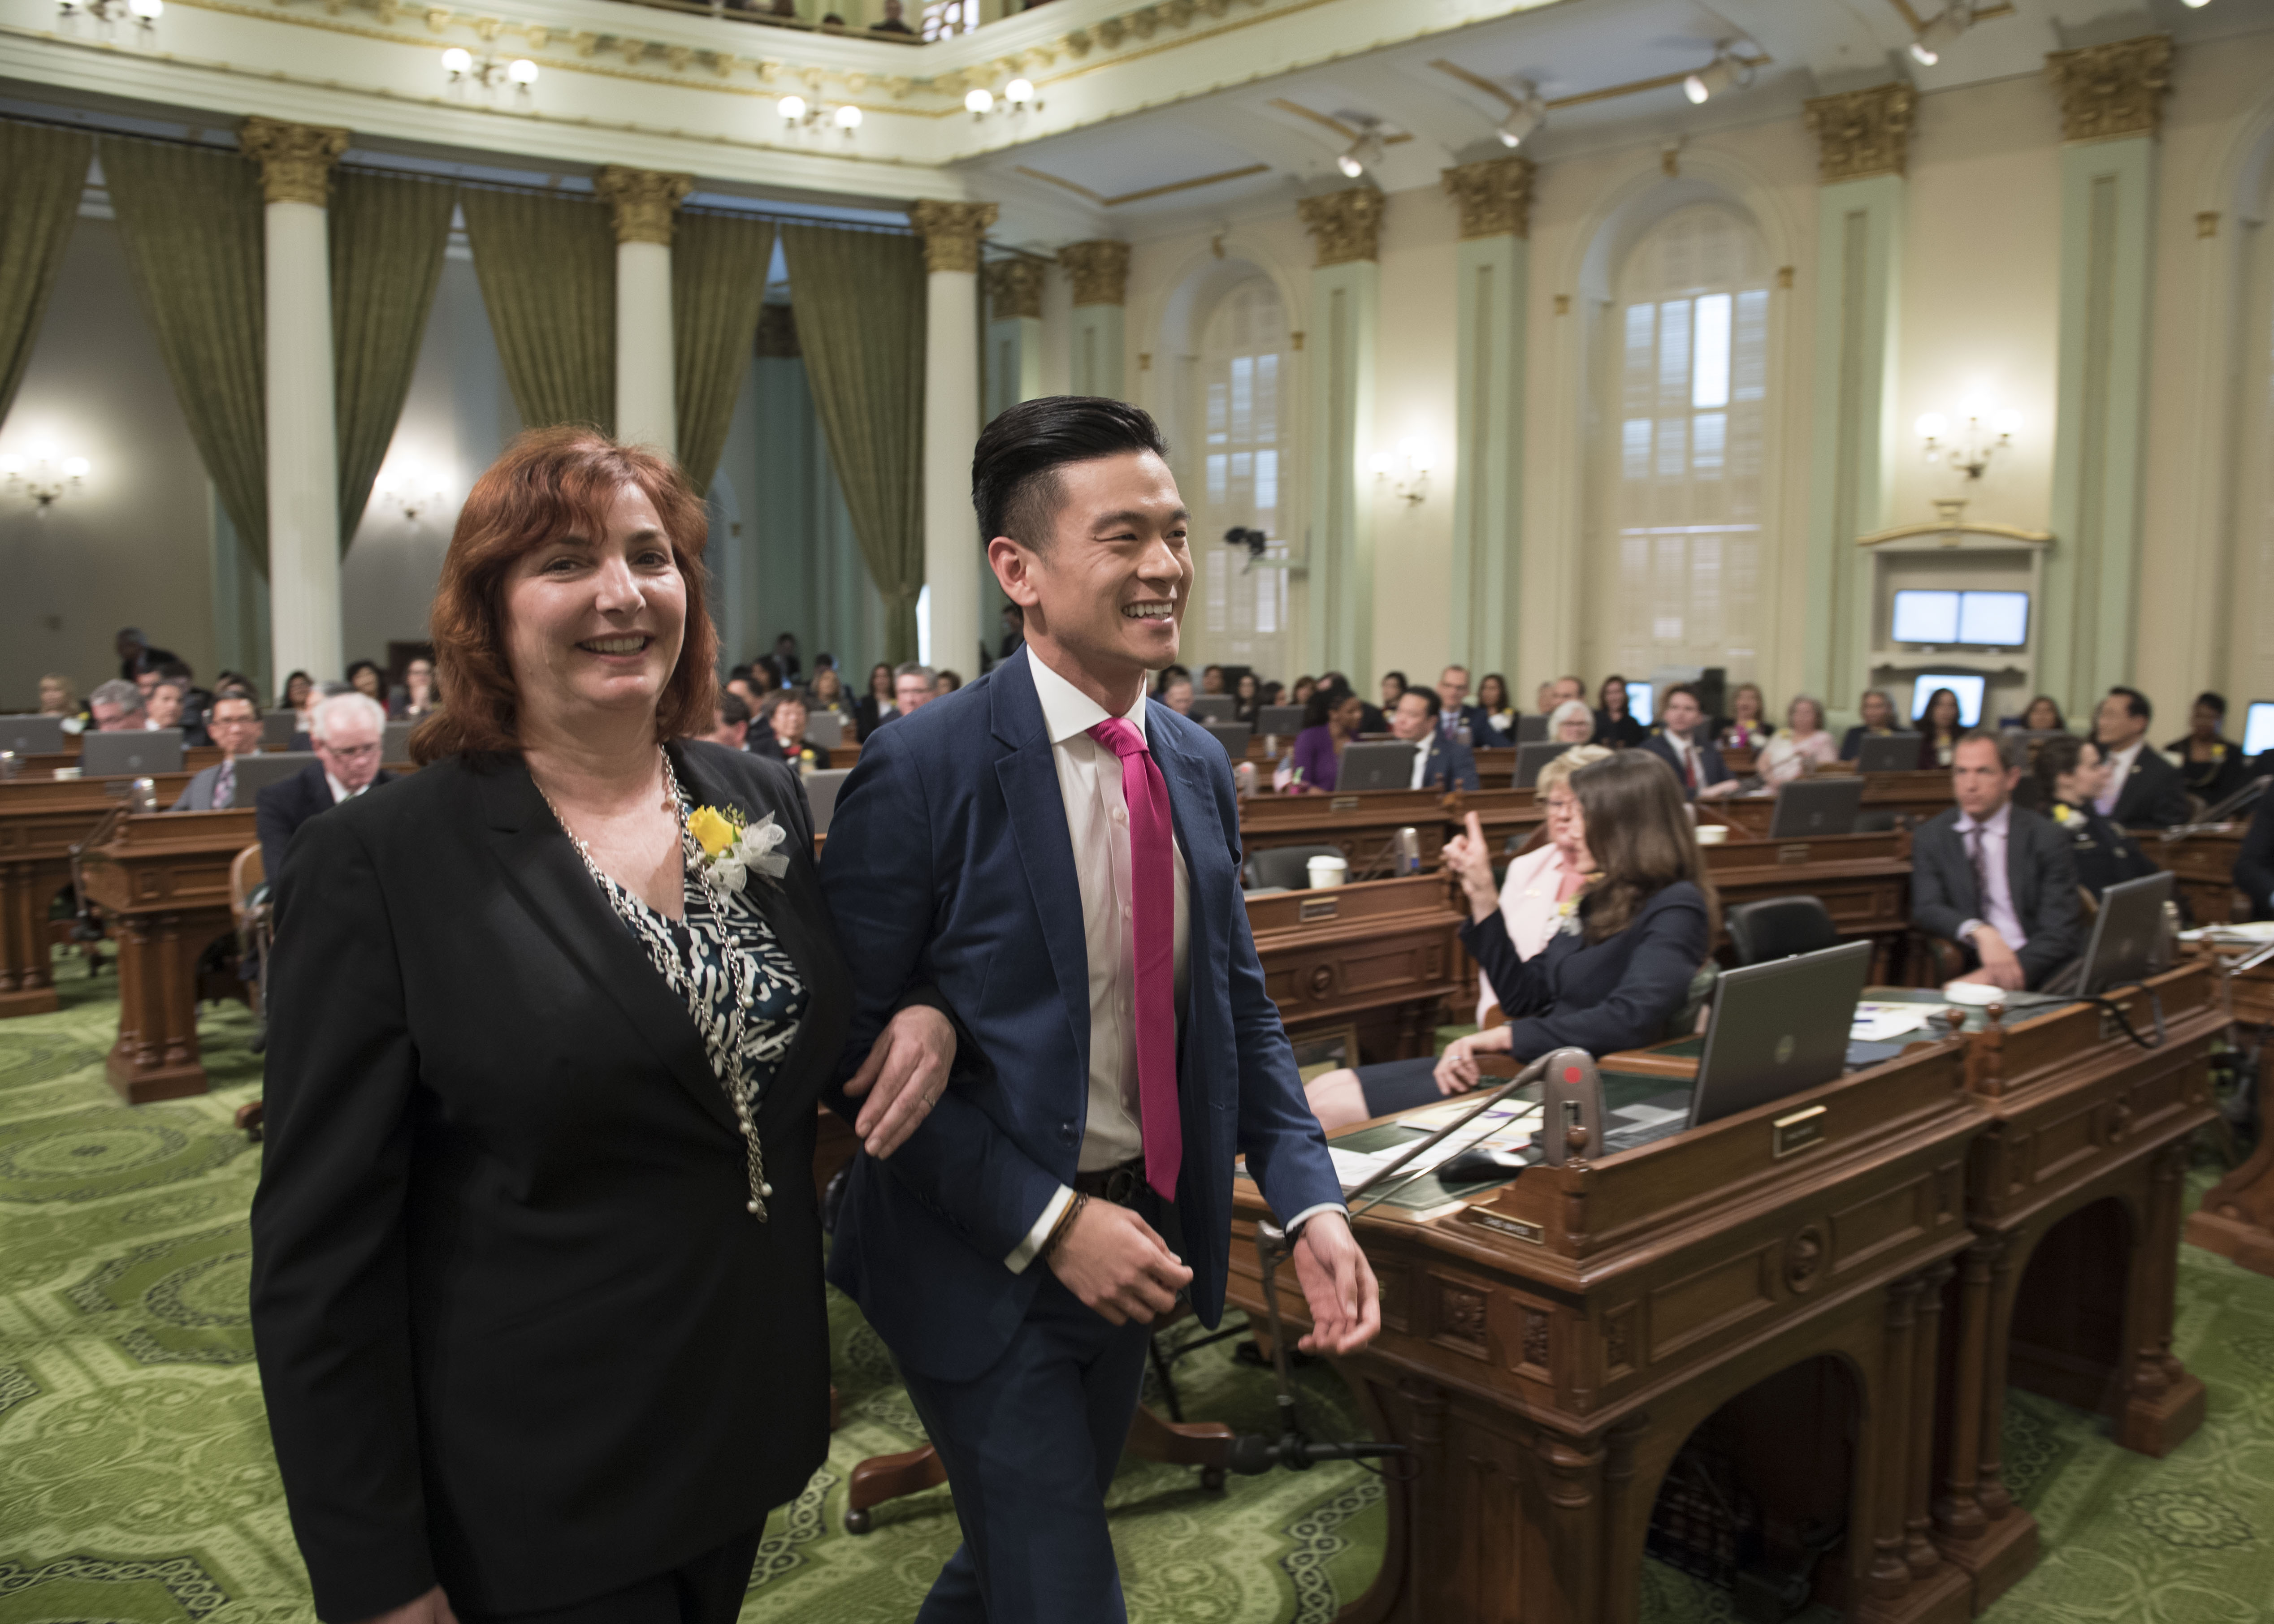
{"type": "Point", "coordinates": [1153, 885]}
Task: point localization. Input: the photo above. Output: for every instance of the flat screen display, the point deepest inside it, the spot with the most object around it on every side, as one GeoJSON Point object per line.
{"type": "Point", "coordinates": [1640, 695]}
{"type": "Point", "coordinates": [2258, 729]}
{"type": "Point", "coordinates": [1968, 689]}
{"type": "Point", "coordinates": [1997, 619]}
{"type": "Point", "coordinates": [1926, 617]}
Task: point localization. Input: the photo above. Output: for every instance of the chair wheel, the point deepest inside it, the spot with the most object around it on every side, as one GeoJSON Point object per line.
{"type": "Point", "coordinates": [1212, 1479]}
{"type": "Point", "coordinates": [856, 1521]}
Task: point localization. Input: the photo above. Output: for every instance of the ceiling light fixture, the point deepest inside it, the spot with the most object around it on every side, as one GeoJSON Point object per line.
{"type": "Point", "coordinates": [1364, 153]}
{"type": "Point", "coordinates": [1017, 97]}
{"type": "Point", "coordinates": [798, 113]}
{"type": "Point", "coordinates": [1529, 113]}
{"type": "Point", "coordinates": [1727, 70]}
{"type": "Point", "coordinates": [462, 70]}
{"type": "Point", "coordinates": [108, 14]}
{"type": "Point", "coordinates": [979, 100]}
{"type": "Point", "coordinates": [43, 477]}
{"type": "Point", "coordinates": [1944, 28]}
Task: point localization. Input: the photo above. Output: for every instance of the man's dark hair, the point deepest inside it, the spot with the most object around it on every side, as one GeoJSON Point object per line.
{"type": "Point", "coordinates": [731, 708]}
{"type": "Point", "coordinates": [1014, 484]}
{"type": "Point", "coordinates": [2135, 701]}
{"type": "Point", "coordinates": [174, 671]}
{"type": "Point", "coordinates": [2216, 703]}
{"type": "Point", "coordinates": [2012, 749]}
{"type": "Point", "coordinates": [1680, 687]}
{"type": "Point", "coordinates": [1429, 695]}
{"type": "Point", "coordinates": [235, 690]}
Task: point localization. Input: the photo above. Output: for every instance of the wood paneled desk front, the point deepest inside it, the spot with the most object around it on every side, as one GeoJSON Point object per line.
{"type": "Point", "coordinates": [1863, 881]}
{"type": "Point", "coordinates": [2236, 1218]}
{"type": "Point", "coordinates": [1360, 825]}
{"type": "Point", "coordinates": [1382, 956]}
{"type": "Point", "coordinates": [2204, 861]}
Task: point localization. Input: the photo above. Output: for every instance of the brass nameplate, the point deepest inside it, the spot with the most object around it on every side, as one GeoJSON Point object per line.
{"type": "Point", "coordinates": [1323, 908]}
{"type": "Point", "coordinates": [1342, 803]}
{"type": "Point", "coordinates": [1792, 854]}
{"type": "Point", "coordinates": [1517, 1227]}
{"type": "Point", "coordinates": [1797, 1130]}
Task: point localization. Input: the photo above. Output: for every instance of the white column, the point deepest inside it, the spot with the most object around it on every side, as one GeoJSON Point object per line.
{"type": "Point", "coordinates": [951, 233]}
{"type": "Point", "coordinates": [1345, 305]}
{"type": "Point", "coordinates": [1099, 272]}
{"type": "Point", "coordinates": [303, 498]}
{"type": "Point", "coordinates": [647, 411]}
{"type": "Point", "coordinates": [1493, 264]}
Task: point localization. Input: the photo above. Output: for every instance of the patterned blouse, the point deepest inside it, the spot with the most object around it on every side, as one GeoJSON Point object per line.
{"type": "Point", "coordinates": [739, 986]}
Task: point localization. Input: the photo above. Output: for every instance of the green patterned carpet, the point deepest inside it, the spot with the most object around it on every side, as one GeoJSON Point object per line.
{"type": "Point", "coordinates": [136, 1482]}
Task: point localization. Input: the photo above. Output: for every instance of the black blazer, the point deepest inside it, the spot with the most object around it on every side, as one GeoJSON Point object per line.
{"type": "Point", "coordinates": [1711, 768]}
{"type": "Point", "coordinates": [2214, 780]}
{"type": "Point", "coordinates": [2039, 871]}
{"type": "Point", "coordinates": [280, 809]}
{"type": "Point", "coordinates": [2254, 862]}
{"type": "Point", "coordinates": [2104, 855]}
{"type": "Point", "coordinates": [518, 1333]}
{"type": "Point", "coordinates": [2154, 795]}
{"type": "Point", "coordinates": [1623, 734]}
{"type": "Point", "coordinates": [868, 716]}
{"type": "Point", "coordinates": [1617, 994]}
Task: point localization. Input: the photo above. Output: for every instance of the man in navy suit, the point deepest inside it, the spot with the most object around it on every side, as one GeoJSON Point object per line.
{"type": "Point", "coordinates": [1442, 761]}
{"type": "Point", "coordinates": [1698, 766]}
{"type": "Point", "coordinates": [1454, 711]}
{"type": "Point", "coordinates": [1059, 858]}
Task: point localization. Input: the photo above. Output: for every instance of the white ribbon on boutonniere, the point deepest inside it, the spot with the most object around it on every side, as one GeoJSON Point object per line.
{"type": "Point", "coordinates": [732, 847]}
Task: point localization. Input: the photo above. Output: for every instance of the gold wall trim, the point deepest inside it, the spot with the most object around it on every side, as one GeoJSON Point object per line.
{"type": "Point", "coordinates": [1332, 123]}
{"type": "Point", "coordinates": [1076, 187]}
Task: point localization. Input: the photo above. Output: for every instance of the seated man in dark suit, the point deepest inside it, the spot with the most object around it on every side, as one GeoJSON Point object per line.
{"type": "Point", "coordinates": [1455, 712]}
{"type": "Point", "coordinates": [2254, 864]}
{"type": "Point", "coordinates": [235, 724]}
{"type": "Point", "coordinates": [1996, 878]}
{"type": "Point", "coordinates": [786, 736]}
{"type": "Point", "coordinates": [1441, 762]}
{"type": "Point", "coordinates": [2144, 791]}
{"type": "Point", "coordinates": [730, 721]}
{"type": "Point", "coordinates": [346, 734]}
{"type": "Point", "coordinates": [1697, 767]}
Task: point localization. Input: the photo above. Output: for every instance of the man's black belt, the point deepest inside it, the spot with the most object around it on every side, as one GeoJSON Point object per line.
{"type": "Point", "coordinates": [1120, 1185]}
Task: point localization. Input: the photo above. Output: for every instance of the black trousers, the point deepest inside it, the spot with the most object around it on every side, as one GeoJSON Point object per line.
{"type": "Point", "coordinates": [707, 1589]}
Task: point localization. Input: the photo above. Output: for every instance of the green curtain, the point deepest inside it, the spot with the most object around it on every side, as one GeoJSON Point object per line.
{"type": "Point", "coordinates": [859, 300]}
{"type": "Point", "coordinates": [717, 283]}
{"type": "Point", "coordinates": [387, 238]}
{"type": "Point", "coordinates": [43, 172]}
{"type": "Point", "coordinates": [190, 221]}
{"type": "Point", "coordinates": [547, 267]}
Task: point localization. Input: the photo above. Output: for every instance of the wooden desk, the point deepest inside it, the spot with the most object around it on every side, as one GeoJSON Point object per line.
{"type": "Point", "coordinates": [1547, 1352]}
{"type": "Point", "coordinates": [195, 758]}
{"type": "Point", "coordinates": [1863, 881]}
{"type": "Point", "coordinates": [162, 878]}
{"type": "Point", "coordinates": [2236, 1218]}
{"type": "Point", "coordinates": [1359, 825]}
{"type": "Point", "coordinates": [41, 820]}
{"type": "Point", "coordinates": [1497, 767]}
{"type": "Point", "coordinates": [1913, 797]}
{"type": "Point", "coordinates": [1382, 956]}
{"type": "Point", "coordinates": [2204, 862]}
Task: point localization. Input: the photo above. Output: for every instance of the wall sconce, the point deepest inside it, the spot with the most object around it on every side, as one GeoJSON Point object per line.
{"type": "Point", "coordinates": [799, 114]}
{"type": "Point", "coordinates": [1415, 455]}
{"type": "Point", "coordinates": [43, 477]}
{"type": "Point", "coordinates": [109, 14]}
{"type": "Point", "coordinates": [462, 70]}
{"type": "Point", "coordinates": [1018, 97]}
{"type": "Point", "coordinates": [1970, 449]}
{"type": "Point", "coordinates": [412, 489]}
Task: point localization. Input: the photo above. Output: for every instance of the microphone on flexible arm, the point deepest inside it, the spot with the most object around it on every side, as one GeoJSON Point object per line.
{"type": "Point", "coordinates": [1252, 1454]}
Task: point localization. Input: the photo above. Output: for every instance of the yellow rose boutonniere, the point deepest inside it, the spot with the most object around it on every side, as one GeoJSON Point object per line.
{"type": "Point", "coordinates": [2064, 813]}
{"type": "Point", "coordinates": [733, 847]}
{"type": "Point", "coordinates": [713, 830]}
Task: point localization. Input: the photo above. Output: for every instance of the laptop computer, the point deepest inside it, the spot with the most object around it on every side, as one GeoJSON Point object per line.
{"type": "Point", "coordinates": [1530, 758]}
{"type": "Point", "coordinates": [1531, 730]}
{"type": "Point", "coordinates": [1808, 806]}
{"type": "Point", "coordinates": [1387, 765]}
{"type": "Point", "coordinates": [1232, 735]}
{"type": "Point", "coordinates": [1776, 1030]}
{"type": "Point", "coordinates": [255, 774]}
{"type": "Point", "coordinates": [31, 735]}
{"type": "Point", "coordinates": [277, 728]}
{"type": "Point", "coordinates": [1887, 753]}
{"type": "Point", "coordinates": [825, 728]}
{"type": "Point", "coordinates": [2127, 934]}
{"type": "Point", "coordinates": [1284, 721]}
{"type": "Point", "coordinates": [821, 794]}
{"type": "Point", "coordinates": [394, 741]}
{"type": "Point", "coordinates": [1216, 707]}
{"type": "Point", "coordinates": [130, 755]}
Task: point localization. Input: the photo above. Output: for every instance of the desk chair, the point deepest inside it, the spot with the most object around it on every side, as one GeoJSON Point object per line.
{"type": "Point", "coordinates": [1780, 927]}
{"type": "Point", "coordinates": [1285, 866]}
{"type": "Point", "coordinates": [1876, 820]}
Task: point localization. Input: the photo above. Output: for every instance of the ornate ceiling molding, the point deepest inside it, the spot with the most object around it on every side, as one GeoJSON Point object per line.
{"type": "Point", "coordinates": [2112, 90]}
{"type": "Point", "coordinates": [1100, 272]}
{"type": "Point", "coordinates": [952, 232]}
{"type": "Point", "coordinates": [295, 159]}
{"type": "Point", "coordinates": [1346, 224]}
{"type": "Point", "coordinates": [1861, 133]}
{"type": "Point", "coordinates": [1494, 196]}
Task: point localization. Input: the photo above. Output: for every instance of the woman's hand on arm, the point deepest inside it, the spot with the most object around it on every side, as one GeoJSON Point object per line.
{"type": "Point", "coordinates": [904, 1075]}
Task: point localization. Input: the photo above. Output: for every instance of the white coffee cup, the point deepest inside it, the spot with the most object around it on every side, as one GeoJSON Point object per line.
{"type": "Point", "coordinates": [66, 772]}
{"type": "Point", "coordinates": [1327, 871]}
{"type": "Point", "coordinates": [1713, 834]}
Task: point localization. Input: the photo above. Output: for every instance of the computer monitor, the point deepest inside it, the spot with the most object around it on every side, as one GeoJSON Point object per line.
{"type": "Point", "coordinates": [1530, 730]}
{"type": "Point", "coordinates": [1993, 619]}
{"type": "Point", "coordinates": [1221, 707]}
{"type": "Point", "coordinates": [1777, 1029]}
{"type": "Point", "coordinates": [2258, 727]}
{"type": "Point", "coordinates": [394, 741]}
{"type": "Point", "coordinates": [1233, 736]}
{"type": "Point", "coordinates": [31, 735]}
{"type": "Point", "coordinates": [2128, 933]}
{"type": "Point", "coordinates": [821, 794]}
{"type": "Point", "coordinates": [1283, 721]}
{"type": "Point", "coordinates": [1531, 758]}
{"type": "Point", "coordinates": [1814, 807]}
{"type": "Point", "coordinates": [1385, 765]}
{"type": "Point", "coordinates": [1926, 617]}
{"type": "Point", "coordinates": [1642, 702]}
{"type": "Point", "coordinates": [135, 755]}
{"type": "Point", "coordinates": [1887, 753]}
{"type": "Point", "coordinates": [1969, 689]}
{"type": "Point", "coordinates": [277, 728]}
{"type": "Point", "coordinates": [255, 774]}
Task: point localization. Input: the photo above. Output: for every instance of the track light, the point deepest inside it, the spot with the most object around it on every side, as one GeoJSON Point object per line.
{"type": "Point", "coordinates": [1726, 72]}
{"type": "Point", "coordinates": [1936, 38]}
{"type": "Point", "coordinates": [1529, 113]}
{"type": "Point", "coordinates": [1362, 155]}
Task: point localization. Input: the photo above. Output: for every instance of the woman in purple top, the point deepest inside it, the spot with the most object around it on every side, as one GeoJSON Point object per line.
{"type": "Point", "coordinates": [1329, 722]}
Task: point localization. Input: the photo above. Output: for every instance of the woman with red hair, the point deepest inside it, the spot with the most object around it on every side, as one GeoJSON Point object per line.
{"type": "Point", "coordinates": [537, 1263]}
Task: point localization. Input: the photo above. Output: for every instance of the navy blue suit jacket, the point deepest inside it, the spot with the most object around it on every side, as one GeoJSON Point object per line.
{"type": "Point", "coordinates": [949, 864]}
{"type": "Point", "coordinates": [1711, 769]}
{"type": "Point", "coordinates": [1452, 765]}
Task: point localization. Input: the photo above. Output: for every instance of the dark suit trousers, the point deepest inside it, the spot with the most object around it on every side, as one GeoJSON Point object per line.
{"type": "Point", "coordinates": [707, 1589]}
{"type": "Point", "coordinates": [1030, 1447]}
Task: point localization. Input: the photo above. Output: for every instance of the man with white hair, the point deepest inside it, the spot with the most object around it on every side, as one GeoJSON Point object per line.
{"type": "Point", "coordinates": [346, 730]}
{"type": "Point", "coordinates": [117, 707]}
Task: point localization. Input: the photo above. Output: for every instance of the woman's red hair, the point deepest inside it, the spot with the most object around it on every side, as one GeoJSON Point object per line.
{"type": "Point", "coordinates": [548, 483]}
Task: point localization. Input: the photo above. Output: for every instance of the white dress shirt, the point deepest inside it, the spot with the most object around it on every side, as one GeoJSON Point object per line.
{"type": "Point", "coordinates": [1420, 765]}
{"type": "Point", "coordinates": [1097, 825]}
{"type": "Point", "coordinates": [2120, 771]}
{"type": "Point", "coordinates": [1994, 881]}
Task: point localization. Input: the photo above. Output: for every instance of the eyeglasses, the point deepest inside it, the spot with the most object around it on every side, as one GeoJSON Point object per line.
{"type": "Point", "coordinates": [353, 752]}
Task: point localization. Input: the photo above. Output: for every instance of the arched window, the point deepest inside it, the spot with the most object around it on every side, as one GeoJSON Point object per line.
{"type": "Point", "coordinates": [1242, 382]}
{"type": "Point", "coordinates": [1675, 578]}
